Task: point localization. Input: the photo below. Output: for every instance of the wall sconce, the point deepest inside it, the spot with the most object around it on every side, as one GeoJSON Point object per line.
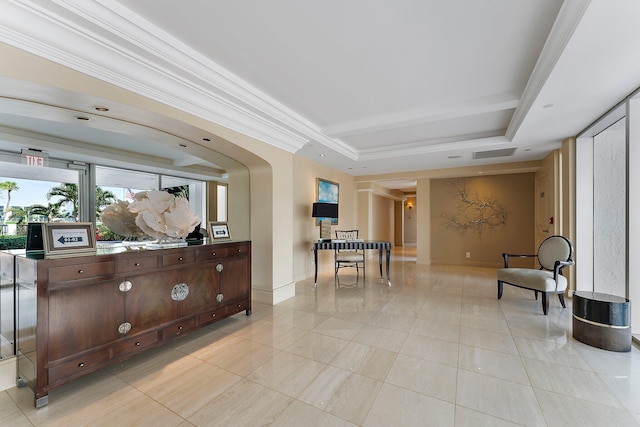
{"type": "Point", "coordinates": [409, 205]}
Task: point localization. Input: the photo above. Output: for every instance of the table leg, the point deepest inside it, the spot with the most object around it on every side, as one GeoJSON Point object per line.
{"type": "Point", "coordinates": [315, 262]}
{"type": "Point", "coordinates": [388, 258]}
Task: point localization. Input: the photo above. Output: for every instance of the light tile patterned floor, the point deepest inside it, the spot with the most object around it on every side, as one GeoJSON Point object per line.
{"type": "Point", "coordinates": [436, 348]}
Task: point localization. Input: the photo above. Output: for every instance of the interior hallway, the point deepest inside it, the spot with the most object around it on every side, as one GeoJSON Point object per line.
{"type": "Point", "coordinates": [435, 348]}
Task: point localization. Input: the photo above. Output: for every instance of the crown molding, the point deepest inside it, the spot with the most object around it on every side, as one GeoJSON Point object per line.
{"type": "Point", "coordinates": [105, 40]}
{"type": "Point", "coordinates": [570, 15]}
{"type": "Point", "coordinates": [429, 114]}
{"type": "Point", "coordinates": [494, 139]}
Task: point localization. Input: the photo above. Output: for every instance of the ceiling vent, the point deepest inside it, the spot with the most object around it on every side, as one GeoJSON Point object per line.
{"type": "Point", "coordinates": [505, 152]}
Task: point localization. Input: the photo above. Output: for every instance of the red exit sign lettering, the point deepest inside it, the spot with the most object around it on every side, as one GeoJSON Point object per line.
{"type": "Point", "coordinates": [36, 159]}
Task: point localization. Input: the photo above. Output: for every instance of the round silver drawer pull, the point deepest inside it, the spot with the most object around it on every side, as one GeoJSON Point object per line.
{"type": "Point", "coordinates": [81, 365]}
{"type": "Point", "coordinates": [179, 328]}
{"type": "Point", "coordinates": [213, 315]}
{"type": "Point", "coordinates": [137, 264]}
{"type": "Point", "coordinates": [213, 253]}
{"type": "Point", "coordinates": [180, 259]}
{"type": "Point", "coordinates": [138, 344]}
{"type": "Point", "coordinates": [80, 271]}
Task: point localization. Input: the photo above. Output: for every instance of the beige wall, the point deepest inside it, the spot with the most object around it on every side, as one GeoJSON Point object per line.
{"type": "Point", "coordinates": [515, 192]}
{"type": "Point", "coordinates": [410, 221]}
{"type": "Point", "coordinates": [383, 228]}
{"type": "Point", "coordinates": [305, 230]}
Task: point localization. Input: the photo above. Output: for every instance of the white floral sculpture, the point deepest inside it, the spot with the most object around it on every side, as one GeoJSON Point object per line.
{"type": "Point", "coordinates": [162, 215]}
{"type": "Point", "coordinates": [157, 214]}
{"type": "Point", "coordinates": [117, 218]}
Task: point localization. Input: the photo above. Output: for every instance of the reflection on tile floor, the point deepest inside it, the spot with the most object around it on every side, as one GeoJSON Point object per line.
{"type": "Point", "coordinates": [436, 348]}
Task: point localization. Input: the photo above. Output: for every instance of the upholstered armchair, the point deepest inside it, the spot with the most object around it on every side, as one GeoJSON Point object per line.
{"type": "Point", "coordinates": [554, 254]}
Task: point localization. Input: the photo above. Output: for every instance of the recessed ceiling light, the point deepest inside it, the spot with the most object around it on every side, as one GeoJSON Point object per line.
{"type": "Point", "coordinates": [321, 155]}
{"type": "Point", "coordinates": [547, 106]}
{"type": "Point", "coordinates": [527, 149]}
{"type": "Point", "coordinates": [102, 109]}
{"type": "Point", "coordinates": [454, 157]}
{"type": "Point", "coordinates": [183, 145]}
{"type": "Point", "coordinates": [83, 118]}
{"type": "Point", "coordinates": [206, 139]}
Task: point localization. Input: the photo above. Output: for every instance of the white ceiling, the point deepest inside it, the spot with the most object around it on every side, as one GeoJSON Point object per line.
{"type": "Point", "coordinates": [368, 87]}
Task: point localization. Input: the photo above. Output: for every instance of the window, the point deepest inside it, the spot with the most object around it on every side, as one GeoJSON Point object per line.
{"type": "Point", "coordinates": [221, 213]}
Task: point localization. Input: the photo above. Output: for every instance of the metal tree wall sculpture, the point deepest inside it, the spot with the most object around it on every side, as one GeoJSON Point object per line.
{"type": "Point", "coordinates": [474, 213]}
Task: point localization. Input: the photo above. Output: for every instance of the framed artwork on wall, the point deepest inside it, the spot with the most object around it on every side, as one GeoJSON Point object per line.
{"type": "Point", "coordinates": [327, 192]}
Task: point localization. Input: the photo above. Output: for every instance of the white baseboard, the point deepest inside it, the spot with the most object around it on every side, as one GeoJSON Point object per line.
{"type": "Point", "coordinates": [8, 371]}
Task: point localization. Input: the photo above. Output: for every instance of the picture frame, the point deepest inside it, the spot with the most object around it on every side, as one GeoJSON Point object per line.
{"type": "Point", "coordinates": [68, 239]}
{"type": "Point", "coordinates": [327, 192]}
{"type": "Point", "coordinates": [219, 230]}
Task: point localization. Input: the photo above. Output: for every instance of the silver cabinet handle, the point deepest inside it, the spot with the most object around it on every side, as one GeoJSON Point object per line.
{"type": "Point", "coordinates": [124, 328]}
{"type": "Point", "coordinates": [125, 286]}
{"type": "Point", "coordinates": [180, 292]}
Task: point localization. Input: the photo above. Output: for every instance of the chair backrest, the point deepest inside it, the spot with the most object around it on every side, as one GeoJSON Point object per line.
{"type": "Point", "coordinates": [346, 234]}
{"type": "Point", "coordinates": [552, 249]}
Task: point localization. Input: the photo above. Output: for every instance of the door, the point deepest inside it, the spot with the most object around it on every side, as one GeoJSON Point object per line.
{"type": "Point", "coordinates": [543, 203]}
{"type": "Point", "coordinates": [83, 317]}
{"type": "Point", "coordinates": [203, 288]}
{"type": "Point", "coordinates": [148, 303]}
{"type": "Point", "coordinates": [234, 278]}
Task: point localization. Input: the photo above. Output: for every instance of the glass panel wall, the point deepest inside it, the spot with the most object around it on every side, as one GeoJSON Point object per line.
{"type": "Point", "coordinates": [609, 209]}
{"type": "Point", "coordinates": [27, 194]}
{"type": "Point", "coordinates": [608, 205]}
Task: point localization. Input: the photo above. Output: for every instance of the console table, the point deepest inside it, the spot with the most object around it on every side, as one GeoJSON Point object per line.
{"type": "Point", "coordinates": [368, 244]}
{"type": "Point", "coordinates": [77, 315]}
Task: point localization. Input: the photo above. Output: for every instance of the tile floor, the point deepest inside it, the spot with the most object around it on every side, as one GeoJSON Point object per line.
{"type": "Point", "coordinates": [436, 348]}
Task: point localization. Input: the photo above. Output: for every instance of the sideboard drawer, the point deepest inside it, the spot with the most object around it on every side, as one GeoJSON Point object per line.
{"type": "Point", "coordinates": [210, 316]}
{"type": "Point", "coordinates": [135, 344]}
{"type": "Point", "coordinates": [179, 258]}
{"type": "Point", "coordinates": [77, 366]}
{"type": "Point", "coordinates": [136, 264]}
{"type": "Point", "coordinates": [238, 250]}
{"type": "Point", "coordinates": [81, 271]}
{"type": "Point", "coordinates": [211, 253]}
{"type": "Point", "coordinates": [179, 328]}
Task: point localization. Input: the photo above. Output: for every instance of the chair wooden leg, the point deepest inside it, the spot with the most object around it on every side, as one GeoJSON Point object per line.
{"type": "Point", "coordinates": [545, 302]}
{"type": "Point", "coordinates": [500, 289]}
{"type": "Point", "coordinates": [536, 294]}
{"type": "Point", "coordinates": [561, 297]}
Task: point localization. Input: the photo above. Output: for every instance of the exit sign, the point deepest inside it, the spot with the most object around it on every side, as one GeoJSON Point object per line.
{"type": "Point", "coordinates": [35, 158]}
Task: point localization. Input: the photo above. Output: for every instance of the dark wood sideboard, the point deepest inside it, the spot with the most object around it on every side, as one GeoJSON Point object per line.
{"type": "Point", "coordinates": [78, 315]}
